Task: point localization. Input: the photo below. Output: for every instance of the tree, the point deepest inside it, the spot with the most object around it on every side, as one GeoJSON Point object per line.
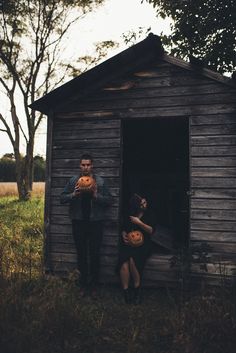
{"type": "Point", "coordinates": [7, 167]}
{"type": "Point", "coordinates": [39, 168]}
{"type": "Point", "coordinates": [204, 29]}
{"type": "Point", "coordinates": [31, 38]}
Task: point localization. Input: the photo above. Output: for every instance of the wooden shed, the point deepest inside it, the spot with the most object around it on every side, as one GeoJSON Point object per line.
{"type": "Point", "coordinates": [155, 125]}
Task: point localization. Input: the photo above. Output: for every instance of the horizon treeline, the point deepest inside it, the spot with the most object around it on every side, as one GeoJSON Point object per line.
{"type": "Point", "coordinates": [8, 165]}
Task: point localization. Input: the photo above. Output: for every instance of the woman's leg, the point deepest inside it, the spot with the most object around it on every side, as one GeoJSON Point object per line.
{"type": "Point", "coordinates": [125, 275]}
{"type": "Point", "coordinates": [134, 273]}
{"type": "Point", "coordinates": [136, 299]}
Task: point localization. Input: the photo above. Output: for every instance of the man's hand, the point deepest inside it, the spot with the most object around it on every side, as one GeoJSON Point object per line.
{"type": "Point", "coordinates": [76, 192]}
{"type": "Point", "coordinates": [94, 190]}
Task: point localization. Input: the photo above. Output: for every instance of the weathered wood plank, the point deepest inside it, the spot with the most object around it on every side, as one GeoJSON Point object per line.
{"type": "Point", "coordinates": [48, 185]}
{"type": "Point", "coordinates": [210, 161]}
{"type": "Point", "coordinates": [84, 135]}
{"type": "Point", "coordinates": [213, 140]}
{"type": "Point", "coordinates": [177, 80]}
{"type": "Point", "coordinates": [213, 204]}
{"type": "Point", "coordinates": [75, 162]}
{"type": "Point", "coordinates": [181, 100]}
{"type": "Point", "coordinates": [110, 228]}
{"type": "Point", "coordinates": [69, 248]}
{"type": "Point", "coordinates": [213, 225]}
{"type": "Point", "coordinates": [222, 269]}
{"type": "Point", "coordinates": [213, 182]}
{"type": "Point", "coordinates": [226, 215]}
{"type": "Point", "coordinates": [96, 153]}
{"type": "Point", "coordinates": [65, 172]}
{"type": "Point", "coordinates": [70, 121]}
{"type": "Point", "coordinates": [213, 119]}
{"type": "Point", "coordinates": [213, 151]}
{"type": "Point", "coordinates": [221, 129]}
{"type": "Point", "coordinates": [147, 112]}
{"type": "Point", "coordinates": [220, 247]}
{"type": "Point", "coordinates": [213, 172]}
{"type": "Point", "coordinates": [161, 91]}
{"type": "Point", "coordinates": [155, 276]}
{"type": "Point", "coordinates": [209, 236]}
{"type": "Point", "coordinates": [214, 194]}
{"type": "Point", "coordinates": [87, 144]}
{"type": "Point", "coordinates": [67, 258]}
{"type": "Point", "coordinates": [177, 111]}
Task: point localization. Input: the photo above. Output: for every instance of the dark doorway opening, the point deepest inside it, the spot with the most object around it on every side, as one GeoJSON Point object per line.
{"type": "Point", "coordinates": [156, 165]}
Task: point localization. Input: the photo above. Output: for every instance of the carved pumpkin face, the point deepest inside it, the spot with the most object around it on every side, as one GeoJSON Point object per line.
{"type": "Point", "coordinates": [85, 183]}
{"type": "Point", "coordinates": [135, 238]}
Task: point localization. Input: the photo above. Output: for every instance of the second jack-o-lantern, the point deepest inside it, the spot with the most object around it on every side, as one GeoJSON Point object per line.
{"type": "Point", "coordinates": [135, 238]}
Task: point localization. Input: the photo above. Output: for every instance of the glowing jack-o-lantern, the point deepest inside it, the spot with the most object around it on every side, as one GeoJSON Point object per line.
{"type": "Point", "coordinates": [135, 238]}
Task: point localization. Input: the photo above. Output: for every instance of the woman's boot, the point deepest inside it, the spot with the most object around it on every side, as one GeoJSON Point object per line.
{"type": "Point", "coordinates": [127, 297]}
{"type": "Point", "coordinates": [137, 295]}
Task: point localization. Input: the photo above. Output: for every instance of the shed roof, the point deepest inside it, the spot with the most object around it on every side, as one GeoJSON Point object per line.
{"type": "Point", "coordinates": [144, 52]}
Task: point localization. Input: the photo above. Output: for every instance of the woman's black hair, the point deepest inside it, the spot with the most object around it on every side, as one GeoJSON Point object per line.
{"type": "Point", "coordinates": [134, 204]}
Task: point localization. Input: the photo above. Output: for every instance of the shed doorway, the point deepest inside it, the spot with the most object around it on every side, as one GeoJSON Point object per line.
{"type": "Point", "coordinates": [156, 165]}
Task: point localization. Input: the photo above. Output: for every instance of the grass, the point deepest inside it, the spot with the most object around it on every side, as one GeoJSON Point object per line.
{"type": "Point", "coordinates": [44, 314]}
{"type": "Point", "coordinates": [21, 237]}
{"type": "Point", "coordinates": [10, 189]}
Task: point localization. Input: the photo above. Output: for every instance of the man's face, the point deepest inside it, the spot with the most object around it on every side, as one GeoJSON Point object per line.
{"type": "Point", "coordinates": [86, 166]}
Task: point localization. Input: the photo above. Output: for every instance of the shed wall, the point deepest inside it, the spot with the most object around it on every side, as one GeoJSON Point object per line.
{"type": "Point", "coordinates": [71, 138]}
{"type": "Point", "coordinates": [162, 91]}
{"type": "Point", "coordinates": [213, 201]}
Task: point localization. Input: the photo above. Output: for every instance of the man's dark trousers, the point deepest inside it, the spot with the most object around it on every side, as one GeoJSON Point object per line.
{"type": "Point", "coordinates": [88, 238]}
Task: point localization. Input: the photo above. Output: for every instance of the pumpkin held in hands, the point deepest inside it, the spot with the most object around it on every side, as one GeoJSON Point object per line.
{"type": "Point", "coordinates": [85, 183]}
{"type": "Point", "coordinates": [135, 238]}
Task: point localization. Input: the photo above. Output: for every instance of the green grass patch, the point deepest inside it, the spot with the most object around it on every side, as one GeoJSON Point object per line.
{"type": "Point", "coordinates": [21, 237]}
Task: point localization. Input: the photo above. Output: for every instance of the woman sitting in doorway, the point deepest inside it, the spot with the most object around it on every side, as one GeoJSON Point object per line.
{"type": "Point", "coordinates": [135, 247]}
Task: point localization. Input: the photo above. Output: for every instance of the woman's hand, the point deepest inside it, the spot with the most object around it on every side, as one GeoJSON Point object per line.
{"type": "Point", "coordinates": [135, 220]}
{"type": "Point", "coordinates": [125, 237]}
{"type": "Point", "coordinates": [144, 226]}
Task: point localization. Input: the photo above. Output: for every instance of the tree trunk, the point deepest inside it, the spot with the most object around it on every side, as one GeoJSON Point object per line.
{"type": "Point", "coordinates": [29, 162]}
{"type": "Point", "coordinates": [24, 174]}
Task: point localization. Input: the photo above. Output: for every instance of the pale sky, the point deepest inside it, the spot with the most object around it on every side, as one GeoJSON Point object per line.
{"type": "Point", "coordinates": [106, 23]}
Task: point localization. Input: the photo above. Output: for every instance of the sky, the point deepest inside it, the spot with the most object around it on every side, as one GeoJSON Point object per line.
{"type": "Point", "coordinates": [108, 22]}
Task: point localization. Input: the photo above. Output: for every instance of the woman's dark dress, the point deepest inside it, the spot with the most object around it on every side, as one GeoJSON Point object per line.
{"type": "Point", "coordinates": [140, 253]}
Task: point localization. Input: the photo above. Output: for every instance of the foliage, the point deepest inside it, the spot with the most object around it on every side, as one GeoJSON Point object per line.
{"type": "Point", "coordinates": [204, 29]}
{"type": "Point", "coordinates": [131, 37]}
{"type": "Point", "coordinates": [8, 168]}
{"type": "Point", "coordinates": [86, 62]}
{"type": "Point", "coordinates": [39, 168]}
{"type": "Point", "coordinates": [21, 237]}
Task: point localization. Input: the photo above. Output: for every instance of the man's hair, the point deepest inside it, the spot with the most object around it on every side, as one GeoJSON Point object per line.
{"type": "Point", "coordinates": [86, 156]}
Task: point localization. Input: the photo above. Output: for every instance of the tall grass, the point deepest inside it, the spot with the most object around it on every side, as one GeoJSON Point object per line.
{"type": "Point", "coordinates": [21, 237]}
{"type": "Point", "coordinates": [10, 189]}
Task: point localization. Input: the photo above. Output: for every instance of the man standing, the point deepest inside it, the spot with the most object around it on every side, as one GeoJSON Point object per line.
{"type": "Point", "coordinates": [87, 213]}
